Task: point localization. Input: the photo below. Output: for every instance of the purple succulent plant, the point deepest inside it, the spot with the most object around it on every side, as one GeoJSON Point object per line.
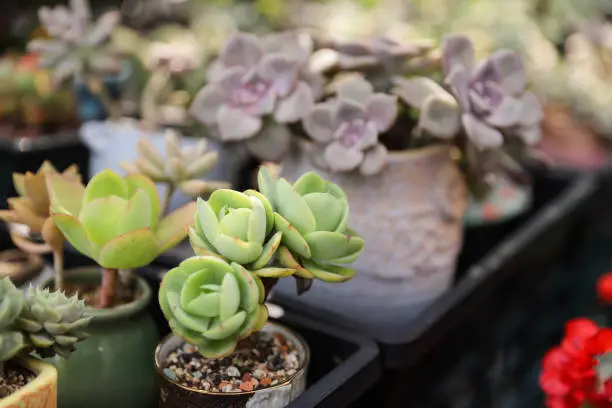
{"type": "Point", "coordinates": [487, 100]}
{"type": "Point", "coordinates": [250, 92]}
{"type": "Point", "coordinates": [347, 127]}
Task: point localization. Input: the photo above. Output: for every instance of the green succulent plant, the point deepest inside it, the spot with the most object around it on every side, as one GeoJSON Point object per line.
{"type": "Point", "coordinates": [11, 304]}
{"type": "Point", "coordinates": [52, 323]}
{"type": "Point", "coordinates": [238, 227]}
{"type": "Point", "coordinates": [312, 216]}
{"type": "Point", "coordinates": [212, 304]}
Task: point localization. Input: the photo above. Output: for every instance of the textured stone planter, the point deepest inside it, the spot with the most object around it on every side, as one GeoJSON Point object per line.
{"type": "Point", "coordinates": [410, 216]}
{"type": "Point", "coordinates": [38, 393]}
{"type": "Point", "coordinates": [175, 395]}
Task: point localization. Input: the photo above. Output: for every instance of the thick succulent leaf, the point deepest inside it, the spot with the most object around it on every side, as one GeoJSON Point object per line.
{"type": "Point", "coordinates": [133, 249]}
{"type": "Point", "coordinates": [172, 282]}
{"type": "Point", "coordinates": [356, 89]}
{"type": "Point", "coordinates": [481, 135]}
{"type": "Point", "coordinates": [327, 210]}
{"type": "Point", "coordinates": [341, 158]}
{"type": "Point", "coordinates": [281, 72]}
{"type": "Point", "coordinates": [207, 218]}
{"type": "Point", "coordinates": [235, 223]}
{"type": "Point", "coordinates": [11, 343]}
{"type": "Point", "coordinates": [295, 105]}
{"type": "Point", "coordinates": [257, 221]}
{"type": "Point", "coordinates": [235, 124]}
{"type": "Point", "coordinates": [242, 49]}
{"type": "Point", "coordinates": [220, 329]}
{"type": "Point", "coordinates": [267, 185]}
{"type": "Point", "coordinates": [35, 190]}
{"type": "Point", "coordinates": [75, 233]}
{"type": "Point", "coordinates": [416, 90]}
{"type": "Point", "coordinates": [193, 299]}
{"type": "Point", "coordinates": [247, 327]}
{"type": "Point", "coordinates": [199, 243]}
{"type": "Point", "coordinates": [249, 290]}
{"type": "Point", "coordinates": [285, 258]}
{"type": "Point", "coordinates": [41, 340]}
{"type": "Point", "coordinates": [102, 217]}
{"type": "Point", "coordinates": [66, 194]}
{"type": "Point", "coordinates": [262, 319]}
{"type": "Point", "coordinates": [18, 179]}
{"type": "Point", "coordinates": [104, 184]}
{"type": "Point", "coordinates": [294, 208]}
{"type": "Point", "coordinates": [440, 116]}
{"type": "Point", "coordinates": [217, 348]}
{"type": "Point", "coordinates": [207, 102]}
{"type": "Point", "coordinates": [510, 70]}
{"type": "Point", "coordinates": [381, 109]}
{"type": "Point", "coordinates": [274, 272]}
{"type": "Point", "coordinates": [271, 143]}
{"type": "Point", "coordinates": [267, 207]}
{"type": "Point", "coordinates": [237, 250]}
{"type": "Point", "coordinates": [228, 198]}
{"type": "Point", "coordinates": [139, 181]}
{"type": "Point", "coordinates": [52, 236]}
{"type": "Point", "coordinates": [531, 113]}
{"type": "Point", "coordinates": [205, 305]}
{"type": "Point", "coordinates": [457, 50]}
{"type": "Point", "coordinates": [174, 227]}
{"type": "Point", "coordinates": [374, 160]}
{"type": "Point", "coordinates": [25, 215]}
{"type": "Point", "coordinates": [148, 150]}
{"type": "Point", "coordinates": [310, 182]}
{"type": "Point", "coordinates": [329, 273]}
{"type": "Point", "coordinates": [347, 111]}
{"type": "Point", "coordinates": [530, 135]}
{"type": "Point", "coordinates": [230, 297]}
{"type": "Point", "coordinates": [201, 164]}
{"type": "Point", "coordinates": [195, 323]}
{"type": "Point", "coordinates": [458, 80]}
{"type": "Point", "coordinates": [507, 114]}
{"type": "Point", "coordinates": [319, 123]}
{"type": "Point", "coordinates": [325, 245]}
{"type": "Point", "coordinates": [291, 237]}
{"type": "Point", "coordinates": [268, 251]}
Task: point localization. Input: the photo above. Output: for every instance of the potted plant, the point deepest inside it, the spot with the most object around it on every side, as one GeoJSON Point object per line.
{"type": "Point", "coordinates": [41, 322]}
{"type": "Point", "coordinates": [117, 222]}
{"type": "Point", "coordinates": [223, 352]}
{"type": "Point", "coordinates": [408, 190]}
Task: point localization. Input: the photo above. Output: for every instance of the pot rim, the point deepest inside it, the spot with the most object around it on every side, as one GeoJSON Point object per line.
{"type": "Point", "coordinates": [45, 372]}
{"type": "Point", "coordinates": [113, 313]}
{"type": "Point", "coordinates": [300, 371]}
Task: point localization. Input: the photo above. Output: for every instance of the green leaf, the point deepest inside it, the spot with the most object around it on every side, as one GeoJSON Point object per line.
{"type": "Point", "coordinates": [217, 348]}
{"type": "Point", "coordinates": [236, 223]}
{"type": "Point", "coordinates": [102, 217]}
{"type": "Point", "coordinates": [137, 214]}
{"type": "Point", "coordinates": [267, 186]}
{"type": "Point", "coordinates": [257, 221]}
{"type": "Point", "coordinates": [294, 208]}
{"type": "Point", "coordinates": [310, 183]}
{"type": "Point", "coordinates": [75, 233]}
{"type": "Point", "coordinates": [194, 300]}
{"type": "Point", "coordinates": [249, 292]}
{"type": "Point", "coordinates": [11, 343]}
{"type": "Point", "coordinates": [221, 329]}
{"type": "Point", "coordinates": [267, 206]}
{"type": "Point", "coordinates": [325, 245]}
{"type": "Point", "coordinates": [291, 237]}
{"type": "Point", "coordinates": [198, 324]}
{"type": "Point", "coordinates": [268, 251]}
{"type": "Point", "coordinates": [230, 297]}
{"type": "Point", "coordinates": [237, 250]}
{"type": "Point", "coordinates": [329, 273]}
{"type": "Point", "coordinates": [104, 184]}
{"type": "Point", "coordinates": [197, 243]}
{"type": "Point", "coordinates": [328, 211]}
{"type": "Point", "coordinates": [135, 182]}
{"type": "Point", "coordinates": [205, 305]}
{"type": "Point", "coordinates": [262, 319]}
{"type": "Point", "coordinates": [173, 228]}
{"type": "Point", "coordinates": [65, 194]}
{"type": "Point", "coordinates": [208, 220]}
{"type": "Point", "coordinates": [228, 198]}
{"type": "Point", "coordinates": [133, 249]}
{"type": "Point", "coordinates": [249, 323]}
{"type": "Point", "coordinates": [273, 272]}
{"type": "Point", "coordinates": [171, 283]}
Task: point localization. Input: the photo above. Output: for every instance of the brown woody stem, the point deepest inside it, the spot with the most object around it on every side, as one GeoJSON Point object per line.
{"type": "Point", "coordinates": [58, 265]}
{"type": "Point", "coordinates": [109, 287]}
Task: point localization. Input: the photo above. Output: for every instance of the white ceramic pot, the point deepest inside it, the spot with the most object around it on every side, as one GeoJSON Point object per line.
{"type": "Point", "coordinates": [410, 216]}
{"type": "Point", "coordinates": [113, 142]}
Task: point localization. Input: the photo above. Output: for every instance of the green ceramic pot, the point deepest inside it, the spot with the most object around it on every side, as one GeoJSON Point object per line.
{"type": "Point", "coordinates": [113, 368]}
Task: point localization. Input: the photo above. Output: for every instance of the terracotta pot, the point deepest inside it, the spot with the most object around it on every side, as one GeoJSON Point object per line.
{"type": "Point", "coordinates": [410, 216]}
{"type": "Point", "coordinates": [40, 392]}
{"type": "Point", "coordinates": [175, 395]}
{"type": "Point", "coordinates": [112, 368]}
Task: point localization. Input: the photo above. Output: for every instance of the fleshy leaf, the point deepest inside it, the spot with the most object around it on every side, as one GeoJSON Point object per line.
{"type": "Point", "coordinates": [104, 184]}
{"type": "Point", "coordinates": [174, 227]}
{"type": "Point", "coordinates": [133, 249]}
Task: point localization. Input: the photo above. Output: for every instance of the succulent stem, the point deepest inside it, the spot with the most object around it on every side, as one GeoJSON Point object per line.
{"type": "Point", "coordinates": [58, 265]}
{"type": "Point", "coordinates": [150, 95]}
{"type": "Point", "coordinates": [109, 287]}
{"type": "Point", "coordinates": [166, 203]}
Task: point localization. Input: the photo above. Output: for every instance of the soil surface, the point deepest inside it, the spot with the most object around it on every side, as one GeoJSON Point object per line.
{"type": "Point", "coordinates": [15, 377]}
{"type": "Point", "coordinates": [91, 294]}
{"type": "Point", "coordinates": [264, 360]}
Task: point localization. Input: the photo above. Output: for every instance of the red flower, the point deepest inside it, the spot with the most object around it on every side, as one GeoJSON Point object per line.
{"type": "Point", "coordinates": [604, 287]}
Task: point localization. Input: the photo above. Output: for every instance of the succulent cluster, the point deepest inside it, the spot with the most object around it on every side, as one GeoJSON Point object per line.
{"type": "Point", "coordinates": [114, 220]}
{"type": "Point", "coordinates": [253, 91]}
{"type": "Point", "coordinates": [347, 127]}
{"type": "Point", "coordinates": [75, 41]}
{"type": "Point", "coordinates": [49, 323]}
{"type": "Point", "coordinates": [213, 304]}
{"type": "Point", "coordinates": [181, 168]}
{"type": "Point", "coordinates": [243, 239]}
{"type": "Point", "coordinates": [488, 101]}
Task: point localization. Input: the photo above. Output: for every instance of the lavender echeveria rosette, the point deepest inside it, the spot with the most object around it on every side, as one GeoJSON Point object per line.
{"type": "Point", "coordinates": [252, 94]}
{"type": "Point", "coordinates": [347, 127]}
{"type": "Point", "coordinates": [487, 100]}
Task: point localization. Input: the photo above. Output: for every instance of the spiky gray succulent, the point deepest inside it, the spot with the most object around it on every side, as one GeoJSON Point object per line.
{"type": "Point", "coordinates": [487, 100]}
{"type": "Point", "coordinates": [347, 127]}
{"type": "Point", "coordinates": [252, 94]}
{"type": "Point", "coordinates": [76, 41]}
{"type": "Point", "coordinates": [11, 304]}
{"type": "Point", "coordinates": [182, 168]}
{"type": "Point", "coordinates": [52, 323]}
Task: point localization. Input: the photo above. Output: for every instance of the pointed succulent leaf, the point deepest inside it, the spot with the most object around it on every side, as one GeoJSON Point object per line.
{"type": "Point", "coordinates": [101, 229]}
{"type": "Point", "coordinates": [293, 207]}
{"type": "Point", "coordinates": [104, 184]}
{"type": "Point", "coordinates": [267, 207]}
{"type": "Point", "coordinates": [201, 164]}
{"type": "Point", "coordinates": [135, 182]}
{"type": "Point", "coordinates": [440, 116]}
{"type": "Point", "coordinates": [75, 233]}
{"type": "Point", "coordinates": [329, 273]}
{"type": "Point", "coordinates": [133, 249]}
{"type": "Point", "coordinates": [66, 195]}
{"type": "Point", "coordinates": [174, 227]}
{"type": "Point", "coordinates": [11, 343]}
{"type": "Point", "coordinates": [268, 251]}
{"type": "Point", "coordinates": [150, 153]}
{"type": "Point", "coordinates": [457, 50]}
{"type": "Point", "coordinates": [267, 185]}
{"type": "Point", "coordinates": [416, 90]}
{"type": "Point", "coordinates": [325, 245]}
{"type": "Point", "coordinates": [291, 237]}
{"type": "Point", "coordinates": [274, 272]}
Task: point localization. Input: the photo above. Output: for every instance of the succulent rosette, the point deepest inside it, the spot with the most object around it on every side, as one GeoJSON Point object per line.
{"type": "Point", "coordinates": [53, 323]}
{"type": "Point", "coordinates": [212, 304]}
{"type": "Point", "coordinates": [238, 227]}
{"type": "Point", "coordinates": [347, 127]}
{"type": "Point", "coordinates": [115, 220]}
{"type": "Point", "coordinates": [257, 93]}
{"type": "Point", "coordinates": [11, 304]}
{"type": "Point", "coordinates": [312, 216]}
{"type": "Point", "coordinates": [487, 100]}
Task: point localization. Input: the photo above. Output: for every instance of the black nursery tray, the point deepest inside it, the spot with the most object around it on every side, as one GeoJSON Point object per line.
{"type": "Point", "coordinates": [25, 154]}
{"type": "Point", "coordinates": [343, 365]}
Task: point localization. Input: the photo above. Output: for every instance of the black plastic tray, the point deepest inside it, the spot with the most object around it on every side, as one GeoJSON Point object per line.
{"type": "Point", "coordinates": [24, 154]}
{"type": "Point", "coordinates": [343, 365]}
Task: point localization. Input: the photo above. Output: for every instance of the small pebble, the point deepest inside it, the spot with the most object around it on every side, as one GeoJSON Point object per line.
{"type": "Point", "coordinates": [170, 374]}
{"type": "Point", "coordinates": [233, 371]}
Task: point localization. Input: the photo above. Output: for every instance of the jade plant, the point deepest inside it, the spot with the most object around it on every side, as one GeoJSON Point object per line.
{"type": "Point", "coordinates": [182, 168]}
{"type": "Point", "coordinates": [245, 242]}
{"type": "Point", "coordinates": [116, 221]}
{"type": "Point", "coordinates": [255, 89]}
{"type": "Point", "coordinates": [31, 209]}
{"type": "Point", "coordinates": [42, 322]}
